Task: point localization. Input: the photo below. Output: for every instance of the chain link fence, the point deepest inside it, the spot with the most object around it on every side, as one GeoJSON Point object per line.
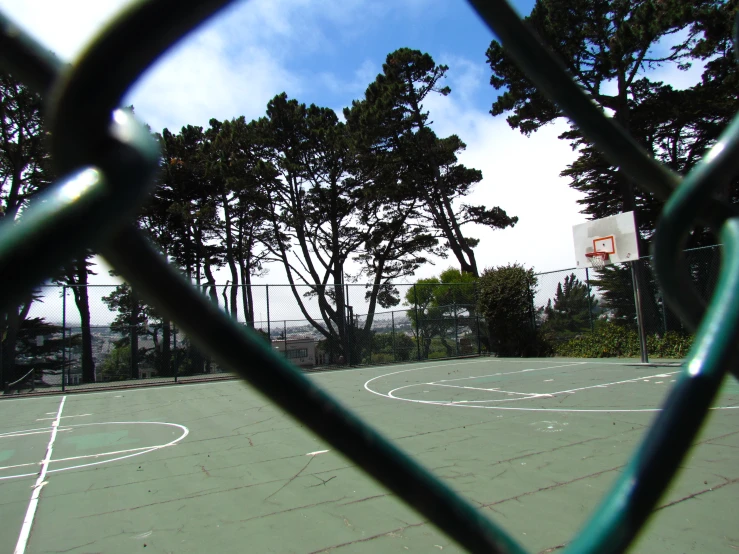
{"type": "Point", "coordinates": [574, 301]}
{"type": "Point", "coordinates": [87, 336]}
{"type": "Point", "coordinates": [124, 341]}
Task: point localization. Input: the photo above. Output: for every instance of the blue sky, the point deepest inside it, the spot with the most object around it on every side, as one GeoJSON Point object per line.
{"type": "Point", "coordinates": [327, 52]}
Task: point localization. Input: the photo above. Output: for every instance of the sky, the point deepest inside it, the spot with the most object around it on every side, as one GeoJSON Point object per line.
{"type": "Point", "coordinates": [326, 52]}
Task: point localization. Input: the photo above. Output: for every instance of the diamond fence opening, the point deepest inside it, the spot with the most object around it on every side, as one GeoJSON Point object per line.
{"type": "Point", "coordinates": [109, 163]}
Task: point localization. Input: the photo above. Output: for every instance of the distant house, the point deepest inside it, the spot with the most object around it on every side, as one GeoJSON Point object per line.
{"type": "Point", "coordinates": [300, 351]}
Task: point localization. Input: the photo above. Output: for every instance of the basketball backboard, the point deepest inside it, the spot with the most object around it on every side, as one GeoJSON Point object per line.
{"type": "Point", "coordinates": [614, 235]}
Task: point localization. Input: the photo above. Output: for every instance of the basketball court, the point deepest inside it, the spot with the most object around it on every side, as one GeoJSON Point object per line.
{"type": "Point", "coordinates": [215, 467]}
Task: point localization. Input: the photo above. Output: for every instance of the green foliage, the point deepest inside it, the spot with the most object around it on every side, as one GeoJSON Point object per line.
{"type": "Point", "coordinates": [670, 345]}
{"type": "Point", "coordinates": [131, 312]}
{"type": "Point", "coordinates": [610, 48]}
{"type": "Point", "coordinates": [413, 166]}
{"type": "Point", "coordinates": [572, 308]}
{"type": "Point", "coordinates": [117, 366]}
{"type": "Point", "coordinates": [611, 340]}
{"type": "Point", "coordinates": [442, 308]}
{"type": "Point", "coordinates": [506, 300]}
{"type": "Point", "coordinates": [392, 347]}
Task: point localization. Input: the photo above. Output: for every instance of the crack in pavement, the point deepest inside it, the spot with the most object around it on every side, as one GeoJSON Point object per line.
{"type": "Point", "coordinates": [726, 483]}
{"type": "Point", "coordinates": [390, 533]}
{"type": "Point", "coordinates": [285, 511]}
{"type": "Point", "coordinates": [550, 487]}
{"type": "Point", "coordinates": [291, 478]}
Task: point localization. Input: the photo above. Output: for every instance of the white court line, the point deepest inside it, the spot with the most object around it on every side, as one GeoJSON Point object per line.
{"type": "Point", "coordinates": [602, 385]}
{"type": "Point", "coordinates": [509, 372]}
{"type": "Point", "coordinates": [20, 465]}
{"type": "Point", "coordinates": [30, 432]}
{"type": "Point", "coordinates": [20, 546]}
{"type": "Point", "coordinates": [531, 395]}
{"type": "Point", "coordinates": [469, 404]}
{"type": "Point", "coordinates": [130, 453]}
{"type": "Point", "coordinates": [390, 394]}
{"type": "Point", "coordinates": [487, 390]}
{"type": "Point", "coordinates": [366, 384]}
{"type": "Point", "coordinates": [64, 417]}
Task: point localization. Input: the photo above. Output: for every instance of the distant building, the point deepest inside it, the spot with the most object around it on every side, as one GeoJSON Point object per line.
{"type": "Point", "coordinates": [300, 351]}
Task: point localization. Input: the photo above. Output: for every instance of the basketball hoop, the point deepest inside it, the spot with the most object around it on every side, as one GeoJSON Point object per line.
{"type": "Point", "coordinates": [597, 259]}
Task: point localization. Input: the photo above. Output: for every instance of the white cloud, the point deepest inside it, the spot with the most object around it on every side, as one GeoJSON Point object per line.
{"type": "Point", "coordinates": [238, 61]}
{"type": "Point", "coordinates": [200, 80]}
{"type": "Point", "coordinates": [521, 176]}
{"type": "Point", "coordinates": [64, 27]}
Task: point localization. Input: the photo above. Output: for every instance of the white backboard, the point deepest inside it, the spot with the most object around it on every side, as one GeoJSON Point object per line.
{"type": "Point", "coordinates": [615, 234]}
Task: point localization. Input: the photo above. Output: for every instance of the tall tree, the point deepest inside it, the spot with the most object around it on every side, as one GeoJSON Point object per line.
{"type": "Point", "coordinates": [314, 204]}
{"type": "Point", "coordinates": [185, 202]}
{"type": "Point", "coordinates": [573, 308]}
{"type": "Point", "coordinates": [238, 176]}
{"type": "Point", "coordinates": [426, 167]}
{"type": "Point", "coordinates": [75, 276]}
{"type": "Point", "coordinates": [24, 172]}
{"type": "Point", "coordinates": [609, 48]}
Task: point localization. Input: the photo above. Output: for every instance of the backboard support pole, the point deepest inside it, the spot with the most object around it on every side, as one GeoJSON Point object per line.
{"type": "Point", "coordinates": [639, 313]}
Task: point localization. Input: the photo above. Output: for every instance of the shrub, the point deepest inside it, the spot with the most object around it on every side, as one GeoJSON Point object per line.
{"type": "Point", "coordinates": [381, 358]}
{"type": "Point", "coordinates": [506, 300]}
{"type": "Point", "coordinates": [610, 340]}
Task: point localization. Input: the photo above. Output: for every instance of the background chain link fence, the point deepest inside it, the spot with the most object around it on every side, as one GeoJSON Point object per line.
{"type": "Point", "coordinates": [130, 342]}
{"type": "Point", "coordinates": [574, 301]}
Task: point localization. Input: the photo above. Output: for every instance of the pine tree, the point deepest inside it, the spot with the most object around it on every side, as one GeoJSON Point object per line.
{"type": "Point", "coordinates": [572, 310]}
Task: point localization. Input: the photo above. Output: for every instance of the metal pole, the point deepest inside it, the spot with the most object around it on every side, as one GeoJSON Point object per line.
{"type": "Point", "coordinates": [639, 314]}
{"type": "Point", "coordinates": [64, 335]}
{"type": "Point", "coordinates": [456, 325]}
{"type": "Point", "coordinates": [348, 330]}
{"type": "Point", "coordinates": [418, 323]}
{"type": "Point", "coordinates": [269, 329]}
{"type": "Point", "coordinates": [590, 301]}
{"type": "Point", "coordinates": [284, 334]}
{"type": "Point", "coordinates": [176, 365]}
{"type": "Point", "coordinates": [479, 345]}
{"type": "Point", "coordinates": [392, 336]}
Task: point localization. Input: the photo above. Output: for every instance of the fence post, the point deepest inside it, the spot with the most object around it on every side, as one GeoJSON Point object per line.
{"type": "Point", "coordinates": [456, 321]}
{"type": "Point", "coordinates": [348, 326]}
{"type": "Point", "coordinates": [269, 329]}
{"type": "Point", "coordinates": [418, 323]}
{"type": "Point", "coordinates": [64, 335]}
{"type": "Point", "coordinates": [176, 365]}
{"type": "Point", "coordinates": [479, 345]}
{"type": "Point", "coordinates": [392, 334]}
{"type": "Point", "coordinates": [590, 300]}
{"type": "Point", "coordinates": [639, 314]}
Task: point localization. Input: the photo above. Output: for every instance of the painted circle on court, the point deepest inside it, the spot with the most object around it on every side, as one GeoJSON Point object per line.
{"type": "Point", "coordinates": [416, 390]}
{"type": "Point", "coordinates": [110, 447]}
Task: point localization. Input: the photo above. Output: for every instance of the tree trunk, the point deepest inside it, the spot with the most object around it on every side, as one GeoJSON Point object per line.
{"type": "Point", "coordinates": [246, 295]}
{"type": "Point", "coordinates": [14, 319]}
{"type": "Point", "coordinates": [230, 257]}
{"type": "Point", "coordinates": [134, 337]}
{"type": "Point", "coordinates": [83, 306]}
{"type": "Point", "coordinates": [10, 337]}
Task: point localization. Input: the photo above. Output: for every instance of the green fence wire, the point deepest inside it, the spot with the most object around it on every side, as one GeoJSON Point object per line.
{"type": "Point", "coordinates": [106, 162]}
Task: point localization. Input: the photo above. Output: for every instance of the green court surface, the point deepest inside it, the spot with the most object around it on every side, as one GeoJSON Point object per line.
{"type": "Point", "coordinates": [214, 467]}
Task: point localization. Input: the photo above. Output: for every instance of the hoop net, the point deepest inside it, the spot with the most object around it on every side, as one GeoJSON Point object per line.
{"type": "Point", "coordinates": [597, 259]}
